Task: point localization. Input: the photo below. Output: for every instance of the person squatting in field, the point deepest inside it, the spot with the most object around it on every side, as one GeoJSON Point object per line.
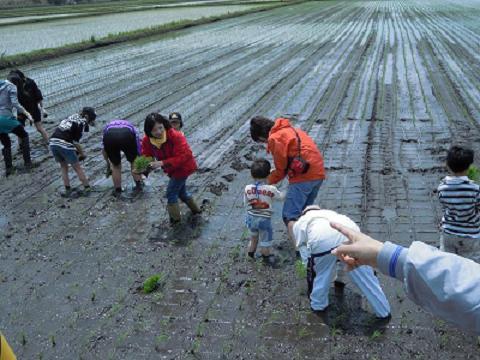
{"type": "Point", "coordinates": [258, 198]}
{"type": "Point", "coordinates": [295, 156]}
{"type": "Point", "coordinates": [121, 136]}
{"type": "Point", "coordinates": [9, 123]}
{"type": "Point", "coordinates": [173, 155]}
{"type": "Point", "coordinates": [64, 146]}
{"type": "Point", "coordinates": [444, 284]}
{"type": "Point", "coordinates": [31, 98]}
{"type": "Point", "coordinates": [315, 240]}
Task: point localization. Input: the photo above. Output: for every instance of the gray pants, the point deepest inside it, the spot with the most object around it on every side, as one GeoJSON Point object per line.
{"type": "Point", "coordinates": [463, 246]}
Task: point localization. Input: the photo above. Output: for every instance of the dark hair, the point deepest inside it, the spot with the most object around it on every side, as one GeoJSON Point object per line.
{"type": "Point", "coordinates": [459, 158]}
{"type": "Point", "coordinates": [177, 116]}
{"type": "Point", "coordinates": [19, 73]}
{"type": "Point", "coordinates": [15, 79]}
{"type": "Point", "coordinates": [89, 112]}
{"type": "Point", "coordinates": [153, 119]}
{"type": "Point", "coordinates": [260, 168]}
{"type": "Point", "coordinates": [260, 127]}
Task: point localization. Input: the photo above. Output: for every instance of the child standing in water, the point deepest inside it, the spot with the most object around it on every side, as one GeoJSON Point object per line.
{"type": "Point", "coordinates": [258, 198]}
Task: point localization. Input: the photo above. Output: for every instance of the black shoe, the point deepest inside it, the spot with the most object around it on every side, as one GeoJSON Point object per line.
{"type": "Point", "coordinates": [339, 284]}
{"type": "Point", "coordinates": [269, 260]}
{"type": "Point", "coordinates": [386, 318]}
{"type": "Point", "coordinates": [251, 254]}
{"type": "Point", "coordinates": [319, 312]}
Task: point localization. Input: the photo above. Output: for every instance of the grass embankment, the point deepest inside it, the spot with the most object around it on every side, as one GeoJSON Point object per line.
{"type": "Point", "coordinates": [92, 43]}
{"type": "Point", "coordinates": [109, 7]}
{"type": "Point", "coordinates": [71, 12]}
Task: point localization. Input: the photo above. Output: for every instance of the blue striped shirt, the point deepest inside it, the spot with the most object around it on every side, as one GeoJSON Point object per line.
{"type": "Point", "coordinates": [460, 199]}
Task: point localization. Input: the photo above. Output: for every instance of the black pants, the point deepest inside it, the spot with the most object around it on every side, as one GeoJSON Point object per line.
{"type": "Point", "coordinates": [19, 131]}
{"type": "Point", "coordinates": [117, 140]}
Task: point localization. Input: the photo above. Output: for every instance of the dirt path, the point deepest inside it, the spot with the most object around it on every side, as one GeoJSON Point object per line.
{"type": "Point", "coordinates": [384, 87]}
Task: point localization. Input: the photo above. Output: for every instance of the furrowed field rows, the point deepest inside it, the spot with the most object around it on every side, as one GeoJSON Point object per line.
{"type": "Point", "coordinates": [384, 87]}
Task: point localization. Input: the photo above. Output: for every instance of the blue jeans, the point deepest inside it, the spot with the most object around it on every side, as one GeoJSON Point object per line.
{"type": "Point", "coordinates": [177, 188]}
{"type": "Point", "coordinates": [299, 196]}
{"type": "Point", "coordinates": [64, 155]}
{"type": "Point", "coordinates": [363, 277]}
{"type": "Point", "coordinates": [260, 226]}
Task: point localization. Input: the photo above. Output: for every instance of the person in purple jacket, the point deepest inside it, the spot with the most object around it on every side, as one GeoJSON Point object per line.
{"type": "Point", "coordinates": [121, 136]}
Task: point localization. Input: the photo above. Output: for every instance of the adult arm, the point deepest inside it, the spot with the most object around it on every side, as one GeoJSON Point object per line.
{"type": "Point", "coordinates": [279, 151]}
{"type": "Point", "coordinates": [444, 284]}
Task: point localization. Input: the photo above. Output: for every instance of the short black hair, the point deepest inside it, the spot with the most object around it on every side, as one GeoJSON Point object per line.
{"type": "Point", "coordinates": [15, 79]}
{"type": "Point", "coordinates": [176, 116]}
{"type": "Point", "coordinates": [153, 119]}
{"type": "Point", "coordinates": [260, 168]}
{"type": "Point", "coordinates": [459, 158]}
{"type": "Point", "coordinates": [260, 127]}
{"type": "Point", "coordinates": [19, 73]}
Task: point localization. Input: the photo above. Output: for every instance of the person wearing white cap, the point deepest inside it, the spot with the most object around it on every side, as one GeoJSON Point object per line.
{"type": "Point", "coordinates": [315, 239]}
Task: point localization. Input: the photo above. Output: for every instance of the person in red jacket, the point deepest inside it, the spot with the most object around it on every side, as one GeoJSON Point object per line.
{"type": "Point", "coordinates": [172, 153]}
{"type": "Point", "coordinates": [297, 157]}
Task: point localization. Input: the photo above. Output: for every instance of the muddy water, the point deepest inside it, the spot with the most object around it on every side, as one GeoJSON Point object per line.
{"type": "Point", "coordinates": [381, 88]}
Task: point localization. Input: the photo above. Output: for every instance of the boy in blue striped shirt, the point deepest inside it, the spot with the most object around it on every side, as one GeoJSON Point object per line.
{"type": "Point", "coordinates": [460, 199]}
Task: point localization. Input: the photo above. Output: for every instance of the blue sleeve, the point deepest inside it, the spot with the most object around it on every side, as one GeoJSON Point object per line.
{"type": "Point", "coordinates": [444, 284]}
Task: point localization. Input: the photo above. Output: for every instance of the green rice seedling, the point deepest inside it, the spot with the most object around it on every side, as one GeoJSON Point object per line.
{"type": "Point", "coordinates": [151, 284]}
{"type": "Point", "coordinates": [141, 163]}
{"type": "Point", "coordinates": [375, 335]}
{"type": "Point", "coordinates": [300, 269]}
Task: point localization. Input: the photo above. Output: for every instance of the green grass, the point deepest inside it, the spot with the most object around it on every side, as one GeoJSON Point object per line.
{"type": "Point", "coordinates": [300, 269]}
{"type": "Point", "coordinates": [50, 53]}
{"type": "Point", "coordinates": [151, 284]}
{"type": "Point", "coordinates": [375, 335]}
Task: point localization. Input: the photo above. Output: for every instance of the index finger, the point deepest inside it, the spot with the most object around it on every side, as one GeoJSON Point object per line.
{"type": "Point", "coordinates": [345, 230]}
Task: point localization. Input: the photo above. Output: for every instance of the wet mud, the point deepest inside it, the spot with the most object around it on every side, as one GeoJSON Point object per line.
{"type": "Point", "coordinates": [382, 87]}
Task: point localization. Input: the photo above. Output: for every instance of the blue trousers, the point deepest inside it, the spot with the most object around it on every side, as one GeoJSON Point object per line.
{"type": "Point", "coordinates": [176, 189]}
{"type": "Point", "coordinates": [363, 277]}
{"type": "Point", "coordinates": [299, 196]}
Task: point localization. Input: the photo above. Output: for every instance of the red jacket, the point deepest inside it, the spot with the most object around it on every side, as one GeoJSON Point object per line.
{"type": "Point", "coordinates": [175, 153]}
{"type": "Point", "coordinates": [282, 144]}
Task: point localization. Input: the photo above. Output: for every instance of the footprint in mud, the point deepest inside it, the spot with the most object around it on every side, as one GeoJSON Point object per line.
{"type": "Point", "coordinates": [409, 141]}
{"type": "Point", "coordinates": [180, 235]}
{"type": "Point", "coordinates": [432, 170]}
{"type": "Point", "coordinates": [249, 157]}
{"type": "Point", "coordinates": [229, 177]}
{"type": "Point", "coordinates": [217, 188]}
{"type": "Point", "coordinates": [239, 165]}
{"type": "Point", "coordinates": [339, 168]}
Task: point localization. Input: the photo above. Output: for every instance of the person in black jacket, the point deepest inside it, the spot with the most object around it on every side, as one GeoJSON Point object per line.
{"type": "Point", "coordinates": [31, 98]}
{"type": "Point", "coordinates": [65, 147]}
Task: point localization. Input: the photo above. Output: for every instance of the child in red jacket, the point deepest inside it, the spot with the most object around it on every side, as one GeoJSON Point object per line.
{"type": "Point", "coordinates": [172, 153]}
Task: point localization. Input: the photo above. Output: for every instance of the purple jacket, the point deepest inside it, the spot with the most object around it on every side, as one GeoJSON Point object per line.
{"type": "Point", "coordinates": [123, 124]}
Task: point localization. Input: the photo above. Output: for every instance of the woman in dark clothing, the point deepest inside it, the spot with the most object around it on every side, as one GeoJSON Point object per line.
{"type": "Point", "coordinates": [121, 136]}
